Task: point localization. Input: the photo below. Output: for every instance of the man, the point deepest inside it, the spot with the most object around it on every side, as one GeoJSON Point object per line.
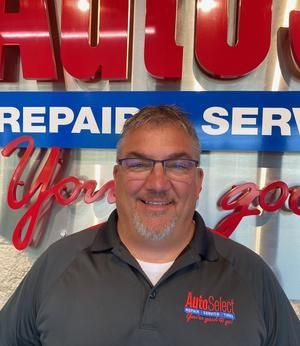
{"type": "Point", "coordinates": [153, 274]}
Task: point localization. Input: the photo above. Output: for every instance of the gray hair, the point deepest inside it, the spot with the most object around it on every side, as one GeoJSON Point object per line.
{"type": "Point", "coordinates": [159, 116]}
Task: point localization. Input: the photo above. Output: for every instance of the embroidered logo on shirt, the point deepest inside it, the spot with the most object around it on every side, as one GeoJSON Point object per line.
{"type": "Point", "coordinates": [209, 309]}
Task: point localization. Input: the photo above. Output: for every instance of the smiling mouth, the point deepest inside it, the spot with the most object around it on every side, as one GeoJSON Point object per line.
{"type": "Point", "coordinates": [156, 203]}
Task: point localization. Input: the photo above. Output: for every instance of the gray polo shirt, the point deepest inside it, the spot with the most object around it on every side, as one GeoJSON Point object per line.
{"type": "Point", "coordinates": [88, 290]}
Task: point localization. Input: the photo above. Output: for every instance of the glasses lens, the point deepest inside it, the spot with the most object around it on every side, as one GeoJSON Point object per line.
{"type": "Point", "coordinates": [179, 167]}
{"type": "Point", "coordinates": [137, 165]}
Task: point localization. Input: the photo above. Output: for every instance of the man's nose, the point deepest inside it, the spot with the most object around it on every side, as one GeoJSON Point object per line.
{"type": "Point", "coordinates": [157, 178]}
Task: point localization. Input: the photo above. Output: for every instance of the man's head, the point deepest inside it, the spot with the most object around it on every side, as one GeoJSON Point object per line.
{"type": "Point", "coordinates": [157, 179]}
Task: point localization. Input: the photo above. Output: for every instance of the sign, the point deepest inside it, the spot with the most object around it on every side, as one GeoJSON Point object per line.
{"type": "Point", "coordinates": [258, 121]}
{"type": "Point", "coordinates": [95, 38]}
{"type": "Point", "coordinates": [247, 199]}
{"type": "Point", "coordinates": [48, 187]}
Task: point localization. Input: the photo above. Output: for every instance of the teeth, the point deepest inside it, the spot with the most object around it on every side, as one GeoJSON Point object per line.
{"type": "Point", "coordinates": [156, 203]}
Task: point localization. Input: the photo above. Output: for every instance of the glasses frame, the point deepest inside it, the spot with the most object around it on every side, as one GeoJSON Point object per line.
{"type": "Point", "coordinates": [153, 162]}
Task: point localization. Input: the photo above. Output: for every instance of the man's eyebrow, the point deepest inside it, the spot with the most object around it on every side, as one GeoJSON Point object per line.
{"type": "Point", "coordinates": [135, 154]}
{"type": "Point", "coordinates": [180, 155]}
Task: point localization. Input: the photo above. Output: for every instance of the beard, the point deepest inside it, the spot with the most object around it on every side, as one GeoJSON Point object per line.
{"type": "Point", "coordinates": [153, 233]}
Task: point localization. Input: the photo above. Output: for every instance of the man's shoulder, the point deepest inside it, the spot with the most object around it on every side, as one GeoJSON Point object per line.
{"type": "Point", "coordinates": [61, 254]}
{"type": "Point", "coordinates": [75, 243]}
{"type": "Point", "coordinates": [243, 260]}
{"type": "Point", "coordinates": [235, 254]}
{"type": "Point", "coordinates": [250, 268]}
{"type": "Point", "coordinates": [232, 250]}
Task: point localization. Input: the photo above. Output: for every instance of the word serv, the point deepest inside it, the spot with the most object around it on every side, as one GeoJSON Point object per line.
{"type": "Point", "coordinates": [268, 125]}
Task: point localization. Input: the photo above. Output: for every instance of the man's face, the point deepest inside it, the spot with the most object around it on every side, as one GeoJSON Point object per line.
{"type": "Point", "coordinates": [156, 206]}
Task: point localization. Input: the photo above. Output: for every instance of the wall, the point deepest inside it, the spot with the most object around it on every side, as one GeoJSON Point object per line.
{"type": "Point", "coordinates": [274, 236]}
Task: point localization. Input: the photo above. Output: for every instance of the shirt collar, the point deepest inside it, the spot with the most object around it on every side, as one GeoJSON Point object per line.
{"type": "Point", "coordinates": [107, 237]}
{"type": "Point", "coordinates": [202, 243]}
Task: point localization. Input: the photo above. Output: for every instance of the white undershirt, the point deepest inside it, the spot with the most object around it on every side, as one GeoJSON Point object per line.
{"type": "Point", "coordinates": [154, 271]}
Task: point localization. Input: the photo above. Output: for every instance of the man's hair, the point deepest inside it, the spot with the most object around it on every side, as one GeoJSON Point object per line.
{"type": "Point", "coordinates": [160, 116]}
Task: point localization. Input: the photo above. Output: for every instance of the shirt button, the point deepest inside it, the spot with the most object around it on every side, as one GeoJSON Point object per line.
{"type": "Point", "coordinates": [153, 295]}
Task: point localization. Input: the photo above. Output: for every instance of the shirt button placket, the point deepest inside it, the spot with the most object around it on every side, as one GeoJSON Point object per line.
{"type": "Point", "coordinates": [152, 294]}
{"type": "Point", "coordinates": [150, 313]}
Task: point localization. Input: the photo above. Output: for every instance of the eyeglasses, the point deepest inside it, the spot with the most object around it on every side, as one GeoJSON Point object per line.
{"type": "Point", "coordinates": [140, 168]}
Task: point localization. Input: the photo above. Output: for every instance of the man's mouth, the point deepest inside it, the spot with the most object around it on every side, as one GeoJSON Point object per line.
{"type": "Point", "coordinates": [156, 203]}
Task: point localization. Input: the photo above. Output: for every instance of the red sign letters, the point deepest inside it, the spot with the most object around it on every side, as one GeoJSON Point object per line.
{"type": "Point", "coordinates": [97, 42]}
{"type": "Point", "coordinates": [49, 186]}
{"type": "Point", "coordinates": [245, 199]}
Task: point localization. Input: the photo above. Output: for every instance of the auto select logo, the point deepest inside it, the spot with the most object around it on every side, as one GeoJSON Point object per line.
{"type": "Point", "coordinates": [209, 309]}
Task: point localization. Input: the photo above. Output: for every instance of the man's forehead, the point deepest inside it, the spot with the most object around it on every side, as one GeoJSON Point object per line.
{"type": "Point", "coordinates": [151, 128]}
{"type": "Point", "coordinates": [167, 137]}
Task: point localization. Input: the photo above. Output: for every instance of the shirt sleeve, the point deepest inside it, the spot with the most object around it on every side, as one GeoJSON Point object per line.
{"type": "Point", "coordinates": [281, 320]}
{"type": "Point", "coordinates": [18, 316]}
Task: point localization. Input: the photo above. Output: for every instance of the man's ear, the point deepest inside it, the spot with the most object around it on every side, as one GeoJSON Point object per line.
{"type": "Point", "coordinates": [199, 179]}
{"type": "Point", "coordinates": [115, 171]}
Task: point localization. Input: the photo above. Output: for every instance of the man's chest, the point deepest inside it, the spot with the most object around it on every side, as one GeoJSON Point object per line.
{"type": "Point", "coordinates": [117, 306]}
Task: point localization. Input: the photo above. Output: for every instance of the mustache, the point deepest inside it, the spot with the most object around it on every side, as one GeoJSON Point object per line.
{"type": "Point", "coordinates": [157, 195]}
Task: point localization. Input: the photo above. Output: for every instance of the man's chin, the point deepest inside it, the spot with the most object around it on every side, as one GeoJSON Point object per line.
{"type": "Point", "coordinates": [154, 229]}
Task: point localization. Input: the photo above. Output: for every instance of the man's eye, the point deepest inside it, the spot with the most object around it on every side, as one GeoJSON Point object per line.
{"type": "Point", "coordinates": [136, 164]}
{"type": "Point", "coordinates": [180, 165]}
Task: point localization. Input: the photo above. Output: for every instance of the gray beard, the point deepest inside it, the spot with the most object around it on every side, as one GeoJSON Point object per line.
{"type": "Point", "coordinates": [150, 234]}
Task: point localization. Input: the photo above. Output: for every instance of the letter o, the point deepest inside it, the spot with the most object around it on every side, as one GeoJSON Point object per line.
{"type": "Point", "coordinates": [277, 204]}
{"type": "Point", "coordinates": [62, 185]}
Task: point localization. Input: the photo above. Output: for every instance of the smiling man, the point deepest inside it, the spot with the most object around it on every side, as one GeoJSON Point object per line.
{"type": "Point", "coordinates": [153, 274]}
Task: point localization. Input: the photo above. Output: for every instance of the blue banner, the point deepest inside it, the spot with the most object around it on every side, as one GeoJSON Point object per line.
{"type": "Point", "coordinates": [256, 121]}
